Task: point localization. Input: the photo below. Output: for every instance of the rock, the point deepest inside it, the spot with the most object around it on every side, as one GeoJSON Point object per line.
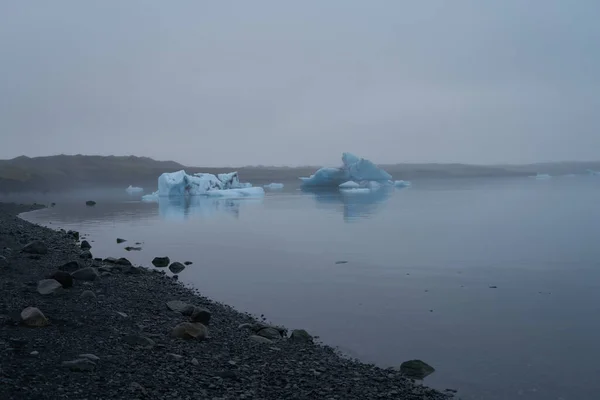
{"type": "Point", "coordinates": [416, 369]}
{"type": "Point", "coordinates": [139, 341]}
{"type": "Point", "coordinates": [269, 333]}
{"type": "Point", "coordinates": [176, 356]}
{"type": "Point", "coordinates": [85, 274]}
{"type": "Point", "coordinates": [137, 388]}
{"type": "Point", "coordinates": [201, 315]}
{"type": "Point", "coordinates": [3, 262]}
{"type": "Point", "coordinates": [123, 261]}
{"type": "Point", "coordinates": [260, 339]}
{"type": "Point", "coordinates": [64, 278]}
{"type": "Point", "coordinates": [105, 274]}
{"type": "Point", "coordinates": [188, 263]}
{"type": "Point", "coordinates": [89, 356]}
{"type": "Point", "coordinates": [341, 262]}
{"type": "Point", "coordinates": [36, 247]}
{"type": "Point", "coordinates": [180, 306]}
{"type": "Point", "coordinates": [132, 248]}
{"type": "Point", "coordinates": [90, 203]}
{"type": "Point", "coordinates": [110, 260]}
{"type": "Point", "coordinates": [176, 267]}
{"type": "Point", "coordinates": [119, 240]}
{"type": "Point", "coordinates": [48, 286]}
{"type": "Point", "coordinates": [73, 234]}
{"type": "Point", "coordinates": [85, 245]}
{"type": "Point", "coordinates": [175, 277]}
{"type": "Point", "coordinates": [88, 295]}
{"type": "Point", "coordinates": [34, 353]}
{"type": "Point", "coordinates": [161, 262]}
{"type": "Point", "coordinates": [195, 361]}
{"type": "Point", "coordinates": [33, 317]}
{"type": "Point", "coordinates": [86, 255]}
{"type": "Point", "coordinates": [189, 330]}
{"type": "Point", "coordinates": [80, 365]}
{"type": "Point", "coordinates": [131, 270]}
{"type": "Point", "coordinates": [300, 335]}
{"type": "Point", "coordinates": [70, 266]}
{"type": "Point", "coordinates": [122, 314]}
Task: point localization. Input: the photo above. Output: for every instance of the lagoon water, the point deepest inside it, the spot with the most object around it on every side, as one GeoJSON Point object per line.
{"type": "Point", "coordinates": [496, 283]}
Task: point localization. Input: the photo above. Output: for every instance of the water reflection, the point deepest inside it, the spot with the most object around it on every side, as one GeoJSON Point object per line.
{"type": "Point", "coordinates": [354, 206]}
{"type": "Point", "coordinates": [181, 208]}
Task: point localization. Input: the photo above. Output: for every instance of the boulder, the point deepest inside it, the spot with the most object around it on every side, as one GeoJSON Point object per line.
{"type": "Point", "coordinates": [190, 330]}
{"type": "Point", "coordinates": [89, 356]}
{"type": "Point", "coordinates": [80, 365]}
{"type": "Point", "coordinates": [90, 203]}
{"type": "Point", "coordinates": [64, 278]}
{"type": "Point", "coordinates": [48, 286]}
{"type": "Point", "coordinates": [131, 270]}
{"type": "Point", "coordinates": [188, 263]}
{"type": "Point", "coordinates": [133, 248]}
{"type": "Point", "coordinates": [139, 341]}
{"type": "Point", "coordinates": [85, 245]}
{"type": "Point", "coordinates": [33, 317]}
{"type": "Point", "coordinates": [176, 267]}
{"type": "Point", "coordinates": [87, 295]}
{"type": "Point", "coordinates": [260, 339]}
{"type": "Point", "coordinates": [110, 260]}
{"type": "Point", "coordinates": [201, 315]}
{"type": "Point", "coordinates": [123, 261]}
{"type": "Point", "coordinates": [416, 369]}
{"type": "Point", "coordinates": [161, 262]}
{"type": "Point", "coordinates": [180, 306]}
{"type": "Point", "coordinates": [300, 335]}
{"type": "Point", "coordinates": [269, 333]}
{"type": "Point", "coordinates": [86, 255]}
{"type": "Point", "coordinates": [70, 266]}
{"type": "Point", "coordinates": [36, 247]}
{"type": "Point", "coordinates": [119, 240]}
{"type": "Point", "coordinates": [85, 274]}
{"type": "Point", "coordinates": [73, 234]}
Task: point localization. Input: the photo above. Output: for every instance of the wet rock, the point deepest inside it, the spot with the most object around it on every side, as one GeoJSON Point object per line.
{"type": "Point", "coordinates": [86, 255]}
{"type": "Point", "coordinates": [73, 234]}
{"type": "Point", "coordinates": [131, 270]}
{"type": "Point", "coordinates": [90, 203]}
{"type": "Point", "coordinates": [188, 263]}
{"type": "Point", "coordinates": [119, 240]}
{"type": "Point", "coordinates": [269, 333]}
{"type": "Point", "coordinates": [180, 306]}
{"type": "Point", "coordinates": [176, 267]}
{"type": "Point", "coordinates": [200, 314]}
{"type": "Point", "coordinates": [123, 261]}
{"type": "Point", "coordinates": [32, 316]}
{"type": "Point", "coordinates": [341, 262]}
{"type": "Point", "coordinates": [89, 356]}
{"type": "Point", "coordinates": [70, 266]}
{"type": "Point", "coordinates": [85, 245]}
{"type": "Point", "coordinates": [110, 260]}
{"type": "Point", "coordinates": [48, 286]}
{"type": "Point", "coordinates": [300, 335]}
{"type": "Point", "coordinates": [80, 365]}
{"type": "Point", "coordinates": [161, 262]}
{"type": "Point", "coordinates": [88, 295]}
{"type": "Point", "coordinates": [132, 248]}
{"type": "Point", "coordinates": [139, 341]}
{"type": "Point", "coordinates": [416, 369]}
{"type": "Point", "coordinates": [260, 339]}
{"type": "Point", "coordinates": [190, 330]}
{"type": "Point", "coordinates": [36, 247]}
{"type": "Point", "coordinates": [85, 274]}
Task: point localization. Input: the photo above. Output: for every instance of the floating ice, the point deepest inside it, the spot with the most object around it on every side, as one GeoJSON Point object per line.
{"type": "Point", "coordinates": [592, 172]}
{"type": "Point", "coordinates": [349, 185]}
{"type": "Point", "coordinates": [133, 189]}
{"type": "Point", "coordinates": [172, 184]}
{"type": "Point", "coordinates": [542, 176]}
{"type": "Point", "coordinates": [353, 169]}
{"type": "Point", "coordinates": [274, 186]}
{"type": "Point", "coordinates": [358, 190]}
{"type": "Point", "coordinates": [401, 184]}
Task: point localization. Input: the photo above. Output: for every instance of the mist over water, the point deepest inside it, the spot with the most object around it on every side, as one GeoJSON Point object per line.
{"type": "Point", "coordinates": [493, 282]}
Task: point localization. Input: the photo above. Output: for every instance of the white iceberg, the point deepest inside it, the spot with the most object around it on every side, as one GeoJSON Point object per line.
{"type": "Point", "coordinates": [273, 186]}
{"type": "Point", "coordinates": [349, 185]}
{"type": "Point", "coordinates": [542, 176]}
{"type": "Point", "coordinates": [353, 169]}
{"type": "Point", "coordinates": [358, 190]}
{"type": "Point", "coordinates": [401, 184]}
{"type": "Point", "coordinates": [173, 184]}
{"type": "Point", "coordinates": [134, 189]}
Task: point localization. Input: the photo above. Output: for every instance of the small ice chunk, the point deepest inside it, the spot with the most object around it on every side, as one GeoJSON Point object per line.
{"type": "Point", "coordinates": [542, 176]}
{"type": "Point", "coordinates": [134, 189]}
{"type": "Point", "coordinates": [150, 198]}
{"type": "Point", "coordinates": [274, 186]}
{"type": "Point", "coordinates": [401, 183]}
{"type": "Point", "coordinates": [349, 185]}
{"type": "Point", "coordinates": [355, 191]}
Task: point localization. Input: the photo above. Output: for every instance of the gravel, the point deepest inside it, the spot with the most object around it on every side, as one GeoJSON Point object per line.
{"type": "Point", "coordinates": [121, 346]}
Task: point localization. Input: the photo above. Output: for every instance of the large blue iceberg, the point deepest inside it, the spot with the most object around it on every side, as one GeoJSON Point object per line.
{"type": "Point", "coordinates": [354, 169]}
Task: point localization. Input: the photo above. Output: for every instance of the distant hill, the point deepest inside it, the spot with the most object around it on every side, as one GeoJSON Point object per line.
{"type": "Point", "coordinates": [55, 173]}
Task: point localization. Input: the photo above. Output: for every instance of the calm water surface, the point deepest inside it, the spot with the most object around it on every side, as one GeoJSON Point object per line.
{"type": "Point", "coordinates": [420, 263]}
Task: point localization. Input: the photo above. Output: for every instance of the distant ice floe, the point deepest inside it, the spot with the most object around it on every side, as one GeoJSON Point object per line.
{"type": "Point", "coordinates": [274, 186]}
{"type": "Point", "coordinates": [592, 172]}
{"type": "Point", "coordinates": [402, 184]}
{"type": "Point", "coordinates": [134, 189]}
{"type": "Point", "coordinates": [542, 177]}
{"type": "Point", "coordinates": [227, 185]}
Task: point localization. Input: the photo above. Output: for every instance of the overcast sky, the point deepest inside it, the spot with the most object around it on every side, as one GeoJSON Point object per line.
{"type": "Point", "coordinates": [279, 82]}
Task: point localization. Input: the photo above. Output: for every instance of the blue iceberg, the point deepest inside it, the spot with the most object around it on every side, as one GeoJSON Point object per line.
{"type": "Point", "coordinates": [353, 169]}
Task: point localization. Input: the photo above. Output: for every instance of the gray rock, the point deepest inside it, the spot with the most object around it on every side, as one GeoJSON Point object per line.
{"type": "Point", "coordinates": [176, 356]}
{"type": "Point", "coordinates": [137, 388]}
{"type": "Point", "coordinates": [110, 260]}
{"type": "Point", "coordinates": [70, 266]}
{"type": "Point", "coordinates": [260, 339]}
{"type": "Point", "coordinates": [123, 261]}
{"type": "Point", "coordinates": [80, 365]}
{"type": "Point", "coordinates": [161, 262]}
{"type": "Point", "coordinates": [195, 361]}
{"type": "Point", "coordinates": [87, 295]}
{"type": "Point", "coordinates": [33, 317]}
{"type": "Point", "coordinates": [3, 262]}
{"type": "Point", "coordinates": [139, 341]}
{"type": "Point", "coordinates": [180, 306]}
{"type": "Point", "coordinates": [85, 245]}
{"type": "Point", "coordinates": [189, 330]}
{"type": "Point", "coordinates": [176, 267]}
{"type": "Point", "coordinates": [416, 369]}
{"type": "Point", "coordinates": [85, 274]}
{"type": "Point", "coordinates": [90, 203]}
{"type": "Point", "coordinates": [269, 333]}
{"type": "Point", "coordinates": [64, 278]}
{"type": "Point", "coordinates": [188, 263]}
{"type": "Point", "coordinates": [89, 356]}
{"type": "Point", "coordinates": [36, 247]}
{"type": "Point", "coordinates": [133, 248]}
{"type": "Point", "coordinates": [200, 314]}
{"type": "Point", "coordinates": [48, 286]}
{"type": "Point", "coordinates": [300, 335]}
{"type": "Point", "coordinates": [119, 240]}
{"type": "Point", "coordinates": [86, 255]}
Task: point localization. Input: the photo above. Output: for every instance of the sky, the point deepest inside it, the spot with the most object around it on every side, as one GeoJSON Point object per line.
{"type": "Point", "coordinates": [232, 83]}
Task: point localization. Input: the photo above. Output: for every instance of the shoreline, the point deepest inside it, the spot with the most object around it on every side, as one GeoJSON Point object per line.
{"type": "Point", "coordinates": [121, 318]}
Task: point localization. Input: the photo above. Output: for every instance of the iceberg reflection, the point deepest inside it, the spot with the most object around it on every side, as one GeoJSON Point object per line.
{"type": "Point", "coordinates": [354, 205]}
{"type": "Point", "coordinates": [182, 207]}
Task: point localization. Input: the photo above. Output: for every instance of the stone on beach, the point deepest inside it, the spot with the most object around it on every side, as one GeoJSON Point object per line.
{"type": "Point", "coordinates": [32, 316]}
{"type": "Point", "coordinates": [36, 247]}
{"type": "Point", "coordinates": [85, 274]}
{"type": "Point", "coordinates": [190, 330]}
{"type": "Point", "coordinates": [63, 277]}
{"type": "Point", "coordinates": [176, 267]}
{"type": "Point", "coordinates": [161, 262]}
{"type": "Point", "coordinates": [180, 306]}
{"type": "Point", "coordinates": [48, 286]}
